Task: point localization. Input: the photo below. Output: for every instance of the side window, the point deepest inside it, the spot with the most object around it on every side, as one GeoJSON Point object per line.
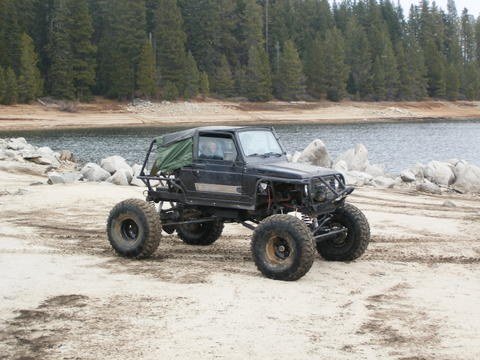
{"type": "Point", "coordinates": [216, 148]}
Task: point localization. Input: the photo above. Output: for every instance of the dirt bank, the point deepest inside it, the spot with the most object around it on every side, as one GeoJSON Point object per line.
{"type": "Point", "coordinates": [64, 294]}
{"type": "Point", "coordinates": [104, 113]}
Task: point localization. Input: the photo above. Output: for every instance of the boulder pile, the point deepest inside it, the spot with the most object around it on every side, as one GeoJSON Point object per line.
{"type": "Point", "coordinates": [435, 177]}
{"type": "Point", "coordinates": [60, 167]}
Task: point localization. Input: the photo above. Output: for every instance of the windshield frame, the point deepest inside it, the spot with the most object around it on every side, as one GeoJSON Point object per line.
{"type": "Point", "coordinates": [259, 158]}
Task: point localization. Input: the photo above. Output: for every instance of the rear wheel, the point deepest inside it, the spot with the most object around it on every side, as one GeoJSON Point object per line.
{"type": "Point", "coordinates": [349, 246]}
{"type": "Point", "coordinates": [134, 229]}
{"type": "Point", "coordinates": [282, 247]}
{"type": "Point", "coordinates": [202, 234]}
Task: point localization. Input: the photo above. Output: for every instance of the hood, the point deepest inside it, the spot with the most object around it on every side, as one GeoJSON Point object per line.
{"type": "Point", "coordinates": [288, 170]}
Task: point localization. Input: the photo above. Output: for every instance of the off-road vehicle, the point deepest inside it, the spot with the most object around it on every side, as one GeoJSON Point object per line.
{"type": "Point", "coordinates": [204, 177]}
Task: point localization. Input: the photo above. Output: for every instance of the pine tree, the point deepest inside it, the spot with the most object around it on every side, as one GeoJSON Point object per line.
{"type": "Point", "coordinates": [60, 74]}
{"type": "Point", "coordinates": [203, 24]}
{"type": "Point", "coordinates": [290, 80]}
{"type": "Point", "coordinates": [390, 65]}
{"type": "Point", "coordinates": [249, 29]}
{"type": "Point", "coordinates": [452, 45]}
{"type": "Point", "coordinates": [467, 37]}
{"type": "Point", "coordinates": [477, 39]}
{"type": "Point", "coordinates": [10, 96]}
{"type": "Point", "coordinates": [314, 17]}
{"type": "Point", "coordinates": [241, 80]}
{"type": "Point", "coordinates": [29, 82]}
{"type": "Point", "coordinates": [10, 35]}
{"type": "Point", "coordinates": [223, 82]}
{"type": "Point", "coordinates": [358, 57]}
{"type": "Point", "coordinates": [315, 69]}
{"type": "Point", "coordinates": [470, 82]}
{"type": "Point", "coordinates": [204, 85]}
{"type": "Point", "coordinates": [435, 70]}
{"type": "Point", "coordinates": [171, 40]}
{"type": "Point", "coordinates": [379, 89]}
{"type": "Point", "coordinates": [335, 69]}
{"type": "Point", "coordinates": [259, 80]}
{"type": "Point", "coordinates": [147, 72]}
{"type": "Point", "coordinates": [191, 78]}
{"type": "Point", "coordinates": [170, 91]}
{"type": "Point", "coordinates": [2, 84]}
{"type": "Point", "coordinates": [83, 51]}
{"type": "Point", "coordinates": [416, 68]}
{"type": "Point", "coordinates": [452, 83]}
{"type": "Point", "coordinates": [405, 77]}
{"type": "Point", "coordinates": [121, 42]}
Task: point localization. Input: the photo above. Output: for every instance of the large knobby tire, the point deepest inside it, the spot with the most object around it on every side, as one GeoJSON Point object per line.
{"type": "Point", "coordinates": [354, 244]}
{"type": "Point", "coordinates": [134, 229]}
{"type": "Point", "coordinates": [283, 247]}
{"type": "Point", "coordinates": [202, 234]}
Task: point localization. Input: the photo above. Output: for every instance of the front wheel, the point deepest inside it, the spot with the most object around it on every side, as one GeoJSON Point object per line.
{"type": "Point", "coordinates": [134, 229]}
{"type": "Point", "coordinates": [282, 247]}
{"type": "Point", "coordinates": [349, 246]}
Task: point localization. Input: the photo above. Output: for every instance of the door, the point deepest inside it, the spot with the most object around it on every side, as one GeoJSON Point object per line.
{"type": "Point", "coordinates": [215, 177]}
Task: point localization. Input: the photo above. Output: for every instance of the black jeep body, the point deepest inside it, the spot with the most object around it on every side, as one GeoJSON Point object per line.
{"type": "Point", "coordinates": [205, 177]}
{"type": "Point", "coordinates": [246, 187]}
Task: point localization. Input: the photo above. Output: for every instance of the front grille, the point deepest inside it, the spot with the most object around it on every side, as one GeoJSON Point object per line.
{"type": "Point", "coordinates": [327, 188]}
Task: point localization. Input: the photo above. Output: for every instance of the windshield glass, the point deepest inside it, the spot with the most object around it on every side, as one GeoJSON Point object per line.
{"type": "Point", "coordinates": [259, 143]}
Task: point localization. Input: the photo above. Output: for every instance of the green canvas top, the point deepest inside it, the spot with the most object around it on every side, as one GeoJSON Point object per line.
{"type": "Point", "coordinates": [173, 156]}
{"type": "Point", "coordinates": [175, 150]}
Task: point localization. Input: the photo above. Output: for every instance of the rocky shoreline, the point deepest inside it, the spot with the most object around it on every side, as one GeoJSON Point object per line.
{"type": "Point", "coordinates": [436, 177]}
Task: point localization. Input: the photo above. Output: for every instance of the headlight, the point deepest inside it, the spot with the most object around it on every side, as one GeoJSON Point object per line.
{"type": "Point", "coordinates": [320, 194]}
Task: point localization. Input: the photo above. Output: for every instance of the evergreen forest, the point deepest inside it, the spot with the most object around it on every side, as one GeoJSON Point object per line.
{"type": "Point", "coordinates": [368, 50]}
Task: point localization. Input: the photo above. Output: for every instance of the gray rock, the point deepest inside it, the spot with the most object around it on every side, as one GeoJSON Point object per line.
{"type": "Point", "coordinates": [316, 153]}
{"type": "Point", "coordinates": [29, 155]}
{"type": "Point", "coordinates": [358, 178]}
{"type": "Point", "coordinates": [384, 182]}
{"type": "Point", "coordinates": [296, 156]}
{"type": "Point", "coordinates": [93, 172]}
{"type": "Point", "coordinates": [50, 161]}
{"type": "Point", "coordinates": [341, 166]}
{"type": "Point", "coordinates": [467, 177]}
{"type": "Point", "coordinates": [449, 204]}
{"type": "Point", "coordinates": [375, 170]}
{"type": "Point", "coordinates": [439, 173]}
{"type": "Point", "coordinates": [429, 187]}
{"type": "Point", "coordinates": [114, 163]}
{"type": "Point", "coordinates": [121, 177]}
{"type": "Point", "coordinates": [407, 176]}
{"type": "Point", "coordinates": [136, 172]}
{"type": "Point", "coordinates": [17, 144]}
{"type": "Point", "coordinates": [63, 178]}
{"type": "Point", "coordinates": [17, 167]}
{"type": "Point", "coordinates": [43, 156]}
{"type": "Point", "coordinates": [356, 159]}
{"type": "Point", "coordinates": [417, 170]}
{"type": "Point", "coordinates": [12, 155]}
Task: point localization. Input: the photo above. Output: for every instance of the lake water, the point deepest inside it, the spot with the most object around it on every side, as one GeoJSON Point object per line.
{"type": "Point", "coordinates": [395, 145]}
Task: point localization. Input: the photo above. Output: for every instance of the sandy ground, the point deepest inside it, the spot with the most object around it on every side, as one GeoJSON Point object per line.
{"type": "Point", "coordinates": [65, 295]}
{"type": "Point", "coordinates": [104, 113]}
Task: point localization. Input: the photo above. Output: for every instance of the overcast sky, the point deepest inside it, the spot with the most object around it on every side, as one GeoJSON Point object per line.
{"type": "Point", "coordinates": [473, 6]}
